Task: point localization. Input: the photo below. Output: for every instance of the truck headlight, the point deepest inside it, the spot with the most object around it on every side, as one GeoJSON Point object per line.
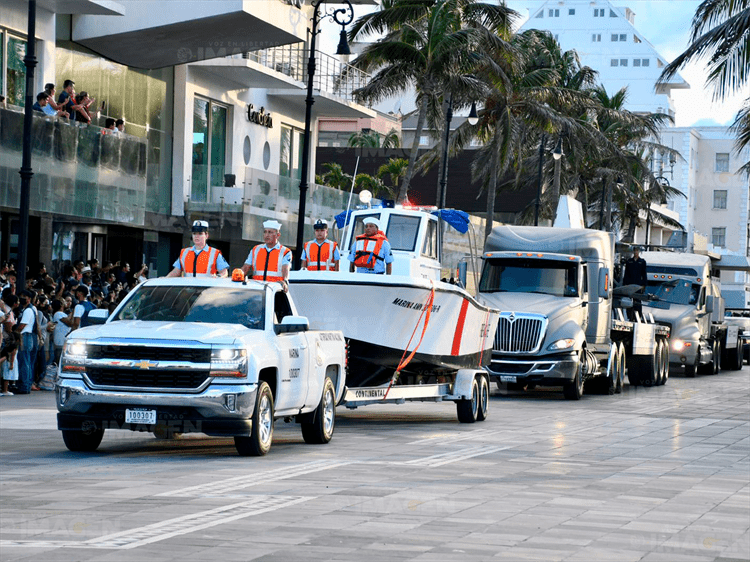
{"type": "Point", "coordinates": [679, 345]}
{"type": "Point", "coordinates": [560, 345]}
{"type": "Point", "coordinates": [74, 356]}
{"type": "Point", "coordinates": [228, 362]}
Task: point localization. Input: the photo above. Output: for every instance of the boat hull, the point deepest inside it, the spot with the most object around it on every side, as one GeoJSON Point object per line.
{"type": "Point", "coordinates": [382, 316]}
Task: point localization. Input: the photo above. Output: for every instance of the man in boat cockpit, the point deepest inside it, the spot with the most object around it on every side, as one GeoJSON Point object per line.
{"type": "Point", "coordinates": [372, 251]}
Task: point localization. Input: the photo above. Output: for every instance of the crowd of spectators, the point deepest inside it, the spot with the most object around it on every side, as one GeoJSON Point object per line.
{"type": "Point", "coordinates": [76, 107]}
{"type": "Point", "coordinates": [36, 319]}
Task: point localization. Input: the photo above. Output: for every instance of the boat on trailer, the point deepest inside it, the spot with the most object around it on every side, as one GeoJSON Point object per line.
{"type": "Point", "coordinates": [431, 331]}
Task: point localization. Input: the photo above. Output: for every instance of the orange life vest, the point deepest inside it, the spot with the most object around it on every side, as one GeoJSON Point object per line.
{"type": "Point", "coordinates": [320, 258]}
{"type": "Point", "coordinates": [367, 250]}
{"type": "Point", "coordinates": [267, 263]}
{"type": "Point", "coordinates": [204, 266]}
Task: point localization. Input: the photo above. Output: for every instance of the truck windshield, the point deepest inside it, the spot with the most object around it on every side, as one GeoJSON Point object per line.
{"type": "Point", "coordinates": [530, 276]}
{"type": "Point", "coordinates": [213, 305]}
{"type": "Point", "coordinates": [678, 291]}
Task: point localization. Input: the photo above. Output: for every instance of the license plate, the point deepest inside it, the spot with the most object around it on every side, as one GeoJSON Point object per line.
{"type": "Point", "coordinates": [507, 378]}
{"type": "Point", "coordinates": [140, 415]}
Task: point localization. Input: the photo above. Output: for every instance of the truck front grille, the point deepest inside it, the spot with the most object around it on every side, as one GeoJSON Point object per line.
{"type": "Point", "coordinates": [518, 333]}
{"type": "Point", "coordinates": [150, 353]}
{"type": "Point", "coordinates": [140, 378]}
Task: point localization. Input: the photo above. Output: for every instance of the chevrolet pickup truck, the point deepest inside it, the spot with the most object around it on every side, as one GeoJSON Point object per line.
{"type": "Point", "coordinates": [215, 356]}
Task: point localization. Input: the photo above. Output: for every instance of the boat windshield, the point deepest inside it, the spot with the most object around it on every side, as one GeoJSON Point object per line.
{"type": "Point", "coordinates": [213, 305]}
{"type": "Point", "coordinates": [529, 276]}
{"type": "Point", "coordinates": [677, 291]}
{"type": "Point", "coordinates": [403, 231]}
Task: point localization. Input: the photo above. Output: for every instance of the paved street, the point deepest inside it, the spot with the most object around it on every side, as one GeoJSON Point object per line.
{"type": "Point", "coordinates": [657, 474]}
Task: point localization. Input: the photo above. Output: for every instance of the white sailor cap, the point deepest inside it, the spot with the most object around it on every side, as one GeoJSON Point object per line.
{"type": "Point", "coordinates": [372, 220]}
{"type": "Point", "coordinates": [320, 224]}
{"type": "Point", "coordinates": [276, 225]}
{"type": "Point", "coordinates": [200, 226]}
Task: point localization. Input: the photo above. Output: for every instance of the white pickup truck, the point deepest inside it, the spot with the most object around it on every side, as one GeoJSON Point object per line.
{"type": "Point", "coordinates": [215, 356]}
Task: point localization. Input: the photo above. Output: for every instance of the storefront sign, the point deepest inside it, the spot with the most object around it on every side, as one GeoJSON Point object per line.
{"type": "Point", "coordinates": [259, 117]}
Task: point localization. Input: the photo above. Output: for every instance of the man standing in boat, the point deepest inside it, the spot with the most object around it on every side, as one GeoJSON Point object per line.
{"type": "Point", "coordinates": [372, 251]}
{"type": "Point", "coordinates": [320, 254]}
{"type": "Point", "coordinates": [270, 261]}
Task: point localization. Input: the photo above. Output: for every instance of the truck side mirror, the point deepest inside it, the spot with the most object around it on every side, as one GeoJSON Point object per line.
{"type": "Point", "coordinates": [98, 316]}
{"type": "Point", "coordinates": [710, 303]}
{"type": "Point", "coordinates": [291, 324]}
{"type": "Point", "coordinates": [603, 283]}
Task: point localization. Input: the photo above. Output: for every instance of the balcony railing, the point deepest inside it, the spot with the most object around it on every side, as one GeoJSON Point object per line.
{"type": "Point", "coordinates": [78, 170]}
{"type": "Point", "coordinates": [331, 75]}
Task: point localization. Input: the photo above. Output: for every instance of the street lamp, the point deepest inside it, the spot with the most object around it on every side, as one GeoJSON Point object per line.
{"type": "Point", "coordinates": [557, 155]}
{"type": "Point", "coordinates": [539, 184]}
{"type": "Point", "coordinates": [343, 17]}
{"type": "Point", "coordinates": [473, 118]}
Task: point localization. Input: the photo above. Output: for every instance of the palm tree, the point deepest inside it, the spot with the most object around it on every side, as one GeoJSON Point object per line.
{"type": "Point", "coordinates": [372, 184]}
{"type": "Point", "coordinates": [373, 139]}
{"type": "Point", "coordinates": [395, 169]}
{"type": "Point", "coordinates": [335, 177]}
{"type": "Point", "coordinates": [721, 32]}
{"type": "Point", "coordinates": [424, 42]}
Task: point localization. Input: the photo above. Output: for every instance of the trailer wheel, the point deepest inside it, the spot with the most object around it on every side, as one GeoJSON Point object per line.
{"type": "Point", "coordinates": [468, 410]}
{"type": "Point", "coordinates": [665, 361]}
{"type": "Point", "coordinates": [82, 441]}
{"type": "Point", "coordinates": [659, 377]}
{"type": "Point", "coordinates": [484, 398]}
{"type": "Point", "coordinates": [574, 390]}
{"type": "Point", "coordinates": [608, 384]}
{"type": "Point", "coordinates": [320, 430]}
{"type": "Point", "coordinates": [261, 433]}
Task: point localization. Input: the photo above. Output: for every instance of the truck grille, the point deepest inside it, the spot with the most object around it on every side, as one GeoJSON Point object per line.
{"type": "Point", "coordinates": [139, 378]}
{"type": "Point", "coordinates": [145, 352]}
{"type": "Point", "coordinates": [519, 333]}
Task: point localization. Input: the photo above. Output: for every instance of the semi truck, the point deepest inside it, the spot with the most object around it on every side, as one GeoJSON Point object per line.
{"type": "Point", "coordinates": [203, 355]}
{"type": "Point", "coordinates": [560, 323]}
{"type": "Point", "coordinates": [688, 300]}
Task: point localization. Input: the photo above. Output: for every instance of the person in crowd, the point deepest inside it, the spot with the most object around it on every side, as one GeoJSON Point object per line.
{"type": "Point", "coordinates": [372, 252]}
{"type": "Point", "coordinates": [45, 329]}
{"type": "Point", "coordinates": [120, 125]}
{"type": "Point", "coordinates": [200, 260]}
{"type": "Point", "coordinates": [122, 274]}
{"type": "Point", "coordinates": [49, 89]}
{"type": "Point", "coordinates": [29, 330]}
{"type": "Point", "coordinates": [2, 102]}
{"type": "Point", "coordinates": [67, 98]}
{"type": "Point", "coordinates": [10, 281]}
{"type": "Point", "coordinates": [109, 126]}
{"type": "Point", "coordinates": [321, 254]}
{"type": "Point", "coordinates": [4, 269]}
{"type": "Point", "coordinates": [269, 261]}
{"type": "Point", "coordinates": [81, 311]}
{"type": "Point", "coordinates": [84, 101]}
{"type": "Point", "coordinates": [635, 274]}
{"type": "Point", "coordinates": [42, 104]}
{"type": "Point", "coordinates": [9, 364]}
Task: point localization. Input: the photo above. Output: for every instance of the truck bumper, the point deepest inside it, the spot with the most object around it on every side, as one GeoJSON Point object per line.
{"type": "Point", "coordinates": [684, 356]}
{"type": "Point", "coordinates": [544, 371]}
{"type": "Point", "coordinates": [222, 410]}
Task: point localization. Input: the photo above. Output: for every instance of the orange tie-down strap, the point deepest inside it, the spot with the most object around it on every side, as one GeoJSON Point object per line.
{"type": "Point", "coordinates": [426, 312]}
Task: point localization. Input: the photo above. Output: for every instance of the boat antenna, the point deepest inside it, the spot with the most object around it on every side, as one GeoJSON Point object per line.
{"type": "Point", "coordinates": [349, 204]}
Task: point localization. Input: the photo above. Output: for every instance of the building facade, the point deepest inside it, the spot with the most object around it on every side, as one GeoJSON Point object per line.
{"type": "Point", "coordinates": [213, 100]}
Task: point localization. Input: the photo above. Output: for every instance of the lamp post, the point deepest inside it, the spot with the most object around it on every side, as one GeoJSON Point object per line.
{"type": "Point", "coordinates": [557, 155]}
{"type": "Point", "coordinates": [539, 184]}
{"type": "Point", "coordinates": [343, 17]}
{"type": "Point", "coordinates": [26, 171]}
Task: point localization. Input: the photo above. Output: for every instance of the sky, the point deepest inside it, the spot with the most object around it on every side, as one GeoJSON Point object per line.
{"type": "Point", "coordinates": [666, 24]}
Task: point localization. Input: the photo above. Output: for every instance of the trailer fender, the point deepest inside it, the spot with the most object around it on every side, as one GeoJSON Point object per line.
{"type": "Point", "coordinates": [464, 380]}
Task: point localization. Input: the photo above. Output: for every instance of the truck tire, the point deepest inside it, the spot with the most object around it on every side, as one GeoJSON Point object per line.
{"type": "Point", "coordinates": [484, 398]}
{"type": "Point", "coordinates": [468, 410]}
{"type": "Point", "coordinates": [320, 430]}
{"type": "Point", "coordinates": [608, 384]}
{"type": "Point", "coordinates": [574, 390]}
{"type": "Point", "coordinates": [649, 367]}
{"type": "Point", "coordinates": [734, 357]}
{"type": "Point", "coordinates": [713, 366]}
{"type": "Point", "coordinates": [664, 361]}
{"type": "Point", "coordinates": [623, 367]}
{"type": "Point", "coordinates": [261, 433]}
{"type": "Point", "coordinates": [82, 442]}
{"type": "Point", "coordinates": [659, 375]}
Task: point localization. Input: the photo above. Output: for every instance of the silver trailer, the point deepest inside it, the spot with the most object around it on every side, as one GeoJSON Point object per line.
{"type": "Point", "coordinates": [560, 324]}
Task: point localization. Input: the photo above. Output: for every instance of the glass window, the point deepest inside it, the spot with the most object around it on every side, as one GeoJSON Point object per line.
{"type": "Point", "coordinates": [623, 62]}
{"type": "Point", "coordinates": [644, 62]}
{"type": "Point", "coordinates": [209, 147]}
{"type": "Point", "coordinates": [612, 14]}
{"type": "Point", "coordinates": [636, 62]}
{"type": "Point", "coordinates": [424, 140]}
{"type": "Point", "coordinates": [719, 236]}
{"type": "Point", "coordinates": [571, 11]}
{"type": "Point", "coordinates": [529, 276]}
{"type": "Point", "coordinates": [429, 248]}
{"type": "Point", "coordinates": [615, 37]}
{"type": "Point", "coordinates": [720, 198]}
{"type": "Point", "coordinates": [540, 14]}
{"type": "Point", "coordinates": [15, 76]}
{"type": "Point", "coordinates": [623, 37]}
{"type": "Point", "coordinates": [614, 62]}
{"type": "Point", "coordinates": [402, 232]}
{"type": "Point", "coordinates": [722, 161]}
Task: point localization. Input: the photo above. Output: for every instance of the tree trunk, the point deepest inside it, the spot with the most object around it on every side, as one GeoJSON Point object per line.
{"type": "Point", "coordinates": [491, 191]}
{"type": "Point", "coordinates": [404, 189]}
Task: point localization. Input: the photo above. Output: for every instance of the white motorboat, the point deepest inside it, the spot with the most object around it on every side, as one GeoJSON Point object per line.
{"type": "Point", "coordinates": [388, 318]}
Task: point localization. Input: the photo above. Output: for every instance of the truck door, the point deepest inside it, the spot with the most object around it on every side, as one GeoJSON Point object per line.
{"type": "Point", "coordinates": [704, 317]}
{"type": "Point", "coordinates": [293, 353]}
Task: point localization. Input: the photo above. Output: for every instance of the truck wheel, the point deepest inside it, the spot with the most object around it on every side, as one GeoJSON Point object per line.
{"type": "Point", "coordinates": [608, 384]}
{"type": "Point", "coordinates": [320, 431]}
{"type": "Point", "coordinates": [649, 367]}
{"type": "Point", "coordinates": [82, 442]}
{"type": "Point", "coordinates": [484, 398]}
{"type": "Point", "coordinates": [734, 357]}
{"type": "Point", "coordinates": [690, 370]}
{"type": "Point", "coordinates": [261, 433]}
{"type": "Point", "coordinates": [623, 367]}
{"type": "Point", "coordinates": [713, 366]}
{"type": "Point", "coordinates": [574, 390]}
{"type": "Point", "coordinates": [659, 378]}
{"type": "Point", "coordinates": [468, 410]}
{"type": "Point", "coordinates": [664, 361]}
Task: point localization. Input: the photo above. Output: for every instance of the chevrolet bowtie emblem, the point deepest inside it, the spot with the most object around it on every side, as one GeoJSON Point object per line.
{"type": "Point", "coordinates": [145, 364]}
